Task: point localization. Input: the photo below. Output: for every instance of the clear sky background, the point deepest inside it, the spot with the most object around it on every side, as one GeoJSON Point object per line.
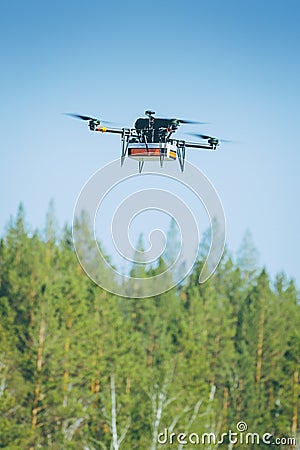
{"type": "Point", "coordinates": [232, 63]}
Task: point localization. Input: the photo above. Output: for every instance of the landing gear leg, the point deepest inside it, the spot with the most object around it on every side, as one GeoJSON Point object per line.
{"type": "Point", "coordinates": [181, 155]}
{"type": "Point", "coordinates": [141, 165]}
{"type": "Point", "coordinates": [125, 142]}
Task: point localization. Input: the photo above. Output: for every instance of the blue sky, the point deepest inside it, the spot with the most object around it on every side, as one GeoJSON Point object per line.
{"type": "Point", "coordinates": [234, 64]}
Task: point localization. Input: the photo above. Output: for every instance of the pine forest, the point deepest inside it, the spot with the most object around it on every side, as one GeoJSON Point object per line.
{"type": "Point", "coordinates": [81, 368]}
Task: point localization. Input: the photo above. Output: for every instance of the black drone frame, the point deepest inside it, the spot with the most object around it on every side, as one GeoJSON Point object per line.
{"type": "Point", "coordinates": [152, 130]}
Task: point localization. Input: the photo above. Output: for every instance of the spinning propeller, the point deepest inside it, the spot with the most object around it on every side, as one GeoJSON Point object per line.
{"type": "Point", "coordinates": [208, 138]}
{"type": "Point", "coordinates": [188, 122]}
{"type": "Point", "coordinates": [175, 120]}
{"type": "Point", "coordinates": [88, 118]}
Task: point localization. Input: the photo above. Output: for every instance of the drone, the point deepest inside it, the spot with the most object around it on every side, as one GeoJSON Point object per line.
{"type": "Point", "coordinates": [151, 138]}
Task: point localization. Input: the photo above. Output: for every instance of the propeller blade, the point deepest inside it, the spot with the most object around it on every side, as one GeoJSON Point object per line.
{"type": "Point", "coordinates": [183, 121]}
{"type": "Point", "coordinates": [190, 122]}
{"type": "Point", "coordinates": [79, 116]}
{"type": "Point", "coordinates": [206, 137]}
{"type": "Point", "coordinates": [202, 136]}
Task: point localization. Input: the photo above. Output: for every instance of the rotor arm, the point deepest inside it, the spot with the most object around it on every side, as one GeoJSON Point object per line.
{"type": "Point", "coordinates": [201, 146]}
{"type": "Point", "coordinates": [209, 146]}
{"type": "Point", "coordinates": [104, 129]}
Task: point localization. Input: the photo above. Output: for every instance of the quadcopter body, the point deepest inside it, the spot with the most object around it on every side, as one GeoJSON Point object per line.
{"type": "Point", "coordinates": [151, 138]}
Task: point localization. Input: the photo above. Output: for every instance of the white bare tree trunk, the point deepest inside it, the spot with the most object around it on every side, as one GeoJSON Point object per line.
{"type": "Point", "coordinates": [115, 441]}
{"type": "Point", "coordinates": [159, 403]}
{"type": "Point", "coordinates": [158, 400]}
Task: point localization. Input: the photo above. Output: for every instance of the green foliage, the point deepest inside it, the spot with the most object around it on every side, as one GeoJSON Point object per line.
{"type": "Point", "coordinates": [80, 367]}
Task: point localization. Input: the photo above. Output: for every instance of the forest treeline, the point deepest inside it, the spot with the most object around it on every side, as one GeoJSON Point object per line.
{"type": "Point", "coordinates": [81, 368]}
